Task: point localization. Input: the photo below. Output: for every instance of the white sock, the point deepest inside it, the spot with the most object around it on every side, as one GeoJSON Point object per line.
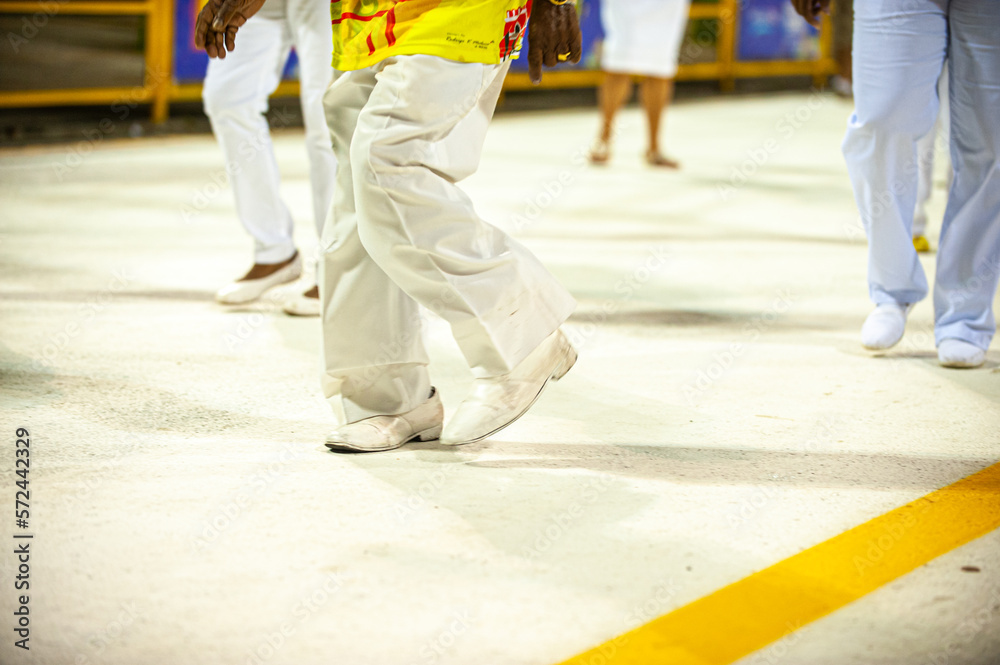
{"type": "Point", "coordinates": [959, 353]}
{"type": "Point", "coordinates": [884, 326]}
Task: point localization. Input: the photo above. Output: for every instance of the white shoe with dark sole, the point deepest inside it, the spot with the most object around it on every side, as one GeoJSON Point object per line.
{"type": "Point", "coordinates": [380, 433]}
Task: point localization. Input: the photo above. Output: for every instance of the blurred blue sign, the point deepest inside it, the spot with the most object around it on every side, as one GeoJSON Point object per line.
{"type": "Point", "coordinates": [771, 30]}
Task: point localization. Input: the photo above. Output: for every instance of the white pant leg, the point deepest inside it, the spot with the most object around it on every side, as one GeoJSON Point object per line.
{"type": "Point", "coordinates": [235, 96]}
{"type": "Point", "coordinates": [312, 35]}
{"type": "Point", "coordinates": [373, 354]}
{"type": "Point", "coordinates": [968, 260]}
{"type": "Point", "coordinates": [944, 123]}
{"type": "Point", "coordinates": [926, 148]}
{"type": "Point", "coordinates": [925, 178]}
{"type": "Point", "coordinates": [899, 50]}
{"type": "Point", "coordinates": [420, 132]}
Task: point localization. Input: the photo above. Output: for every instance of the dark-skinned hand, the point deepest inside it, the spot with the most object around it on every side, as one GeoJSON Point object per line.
{"type": "Point", "coordinates": [553, 31]}
{"type": "Point", "coordinates": [217, 23]}
{"type": "Point", "coordinates": [811, 9]}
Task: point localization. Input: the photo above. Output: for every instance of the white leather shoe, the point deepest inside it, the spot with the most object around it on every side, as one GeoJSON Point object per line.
{"type": "Point", "coordinates": [884, 327]}
{"type": "Point", "coordinates": [305, 304]}
{"type": "Point", "coordinates": [959, 354]}
{"type": "Point", "coordinates": [248, 290]}
{"type": "Point", "coordinates": [497, 401]}
{"type": "Point", "coordinates": [387, 432]}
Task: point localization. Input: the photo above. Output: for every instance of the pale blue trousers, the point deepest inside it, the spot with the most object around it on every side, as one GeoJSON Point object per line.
{"type": "Point", "coordinates": [900, 47]}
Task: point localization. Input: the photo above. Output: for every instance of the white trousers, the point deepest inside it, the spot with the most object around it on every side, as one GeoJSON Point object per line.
{"type": "Point", "coordinates": [899, 49]}
{"type": "Point", "coordinates": [401, 235]}
{"type": "Point", "coordinates": [236, 95]}
{"type": "Point", "coordinates": [926, 147]}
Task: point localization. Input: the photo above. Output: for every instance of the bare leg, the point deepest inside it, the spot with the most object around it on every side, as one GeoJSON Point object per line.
{"type": "Point", "coordinates": [612, 96]}
{"type": "Point", "coordinates": [656, 95]}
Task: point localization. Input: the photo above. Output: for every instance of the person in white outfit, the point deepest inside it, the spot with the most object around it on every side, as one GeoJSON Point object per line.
{"type": "Point", "coordinates": [235, 97]}
{"type": "Point", "coordinates": [900, 47]}
{"type": "Point", "coordinates": [408, 114]}
{"type": "Point", "coordinates": [925, 156]}
{"type": "Point", "coordinates": [642, 38]}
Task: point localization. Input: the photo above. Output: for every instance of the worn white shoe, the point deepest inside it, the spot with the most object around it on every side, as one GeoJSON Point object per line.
{"type": "Point", "coordinates": [247, 290]}
{"type": "Point", "coordinates": [497, 401]}
{"type": "Point", "coordinates": [305, 304]}
{"type": "Point", "coordinates": [960, 354]}
{"type": "Point", "coordinates": [387, 432]}
{"type": "Point", "coordinates": [884, 327]}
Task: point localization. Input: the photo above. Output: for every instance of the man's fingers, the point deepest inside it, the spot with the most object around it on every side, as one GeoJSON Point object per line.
{"type": "Point", "coordinates": [563, 52]}
{"type": "Point", "coordinates": [534, 62]}
{"type": "Point", "coordinates": [201, 24]}
{"type": "Point", "coordinates": [224, 16]}
{"type": "Point", "coordinates": [550, 52]}
{"type": "Point", "coordinates": [220, 45]}
{"type": "Point", "coordinates": [199, 34]}
{"type": "Point", "coordinates": [230, 38]}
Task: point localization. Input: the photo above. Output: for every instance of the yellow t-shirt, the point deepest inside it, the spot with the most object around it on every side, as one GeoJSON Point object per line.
{"type": "Point", "coordinates": [368, 31]}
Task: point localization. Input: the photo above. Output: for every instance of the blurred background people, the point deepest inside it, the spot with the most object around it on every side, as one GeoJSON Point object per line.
{"type": "Point", "coordinates": [900, 49]}
{"type": "Point", "coordinates": [642, 38]}
{"type": "Point", "coordinates": [236, 98]}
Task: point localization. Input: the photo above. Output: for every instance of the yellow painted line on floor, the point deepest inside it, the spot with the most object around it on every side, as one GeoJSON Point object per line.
{"type": "Point", "coordinates": [748, 615]}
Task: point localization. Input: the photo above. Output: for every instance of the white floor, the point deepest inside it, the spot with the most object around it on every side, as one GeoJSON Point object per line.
{"type": "Point", "coordinates": [722, 416]}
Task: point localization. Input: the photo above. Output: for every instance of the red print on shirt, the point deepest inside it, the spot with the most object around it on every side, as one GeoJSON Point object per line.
{"type": "Point", "coordinates": [513, 31]}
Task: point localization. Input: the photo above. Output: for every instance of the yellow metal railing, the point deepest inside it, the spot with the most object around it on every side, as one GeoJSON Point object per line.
{"type": "Point", "coordinates": [159, 90]}
{"type": "Point", "coordinates": [155, 89]}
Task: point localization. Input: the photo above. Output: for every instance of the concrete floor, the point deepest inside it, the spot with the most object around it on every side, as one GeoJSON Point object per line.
{"type": "Point", "coordinates": [722, 416]}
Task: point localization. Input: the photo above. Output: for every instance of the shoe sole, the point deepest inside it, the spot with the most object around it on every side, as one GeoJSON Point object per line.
{"type": "Point", "coordinates": [262, 293]}
{"type": "Point", "coordinates": [295, 312]}
{"type": "Point", "coordinates": [961, 365]}
{"type": "Point", "coordinates": [881, 348]}
{"type": "Point", "coordinates": [565, 365]}
{"type": "Point", "coordinates": [426, 435]}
